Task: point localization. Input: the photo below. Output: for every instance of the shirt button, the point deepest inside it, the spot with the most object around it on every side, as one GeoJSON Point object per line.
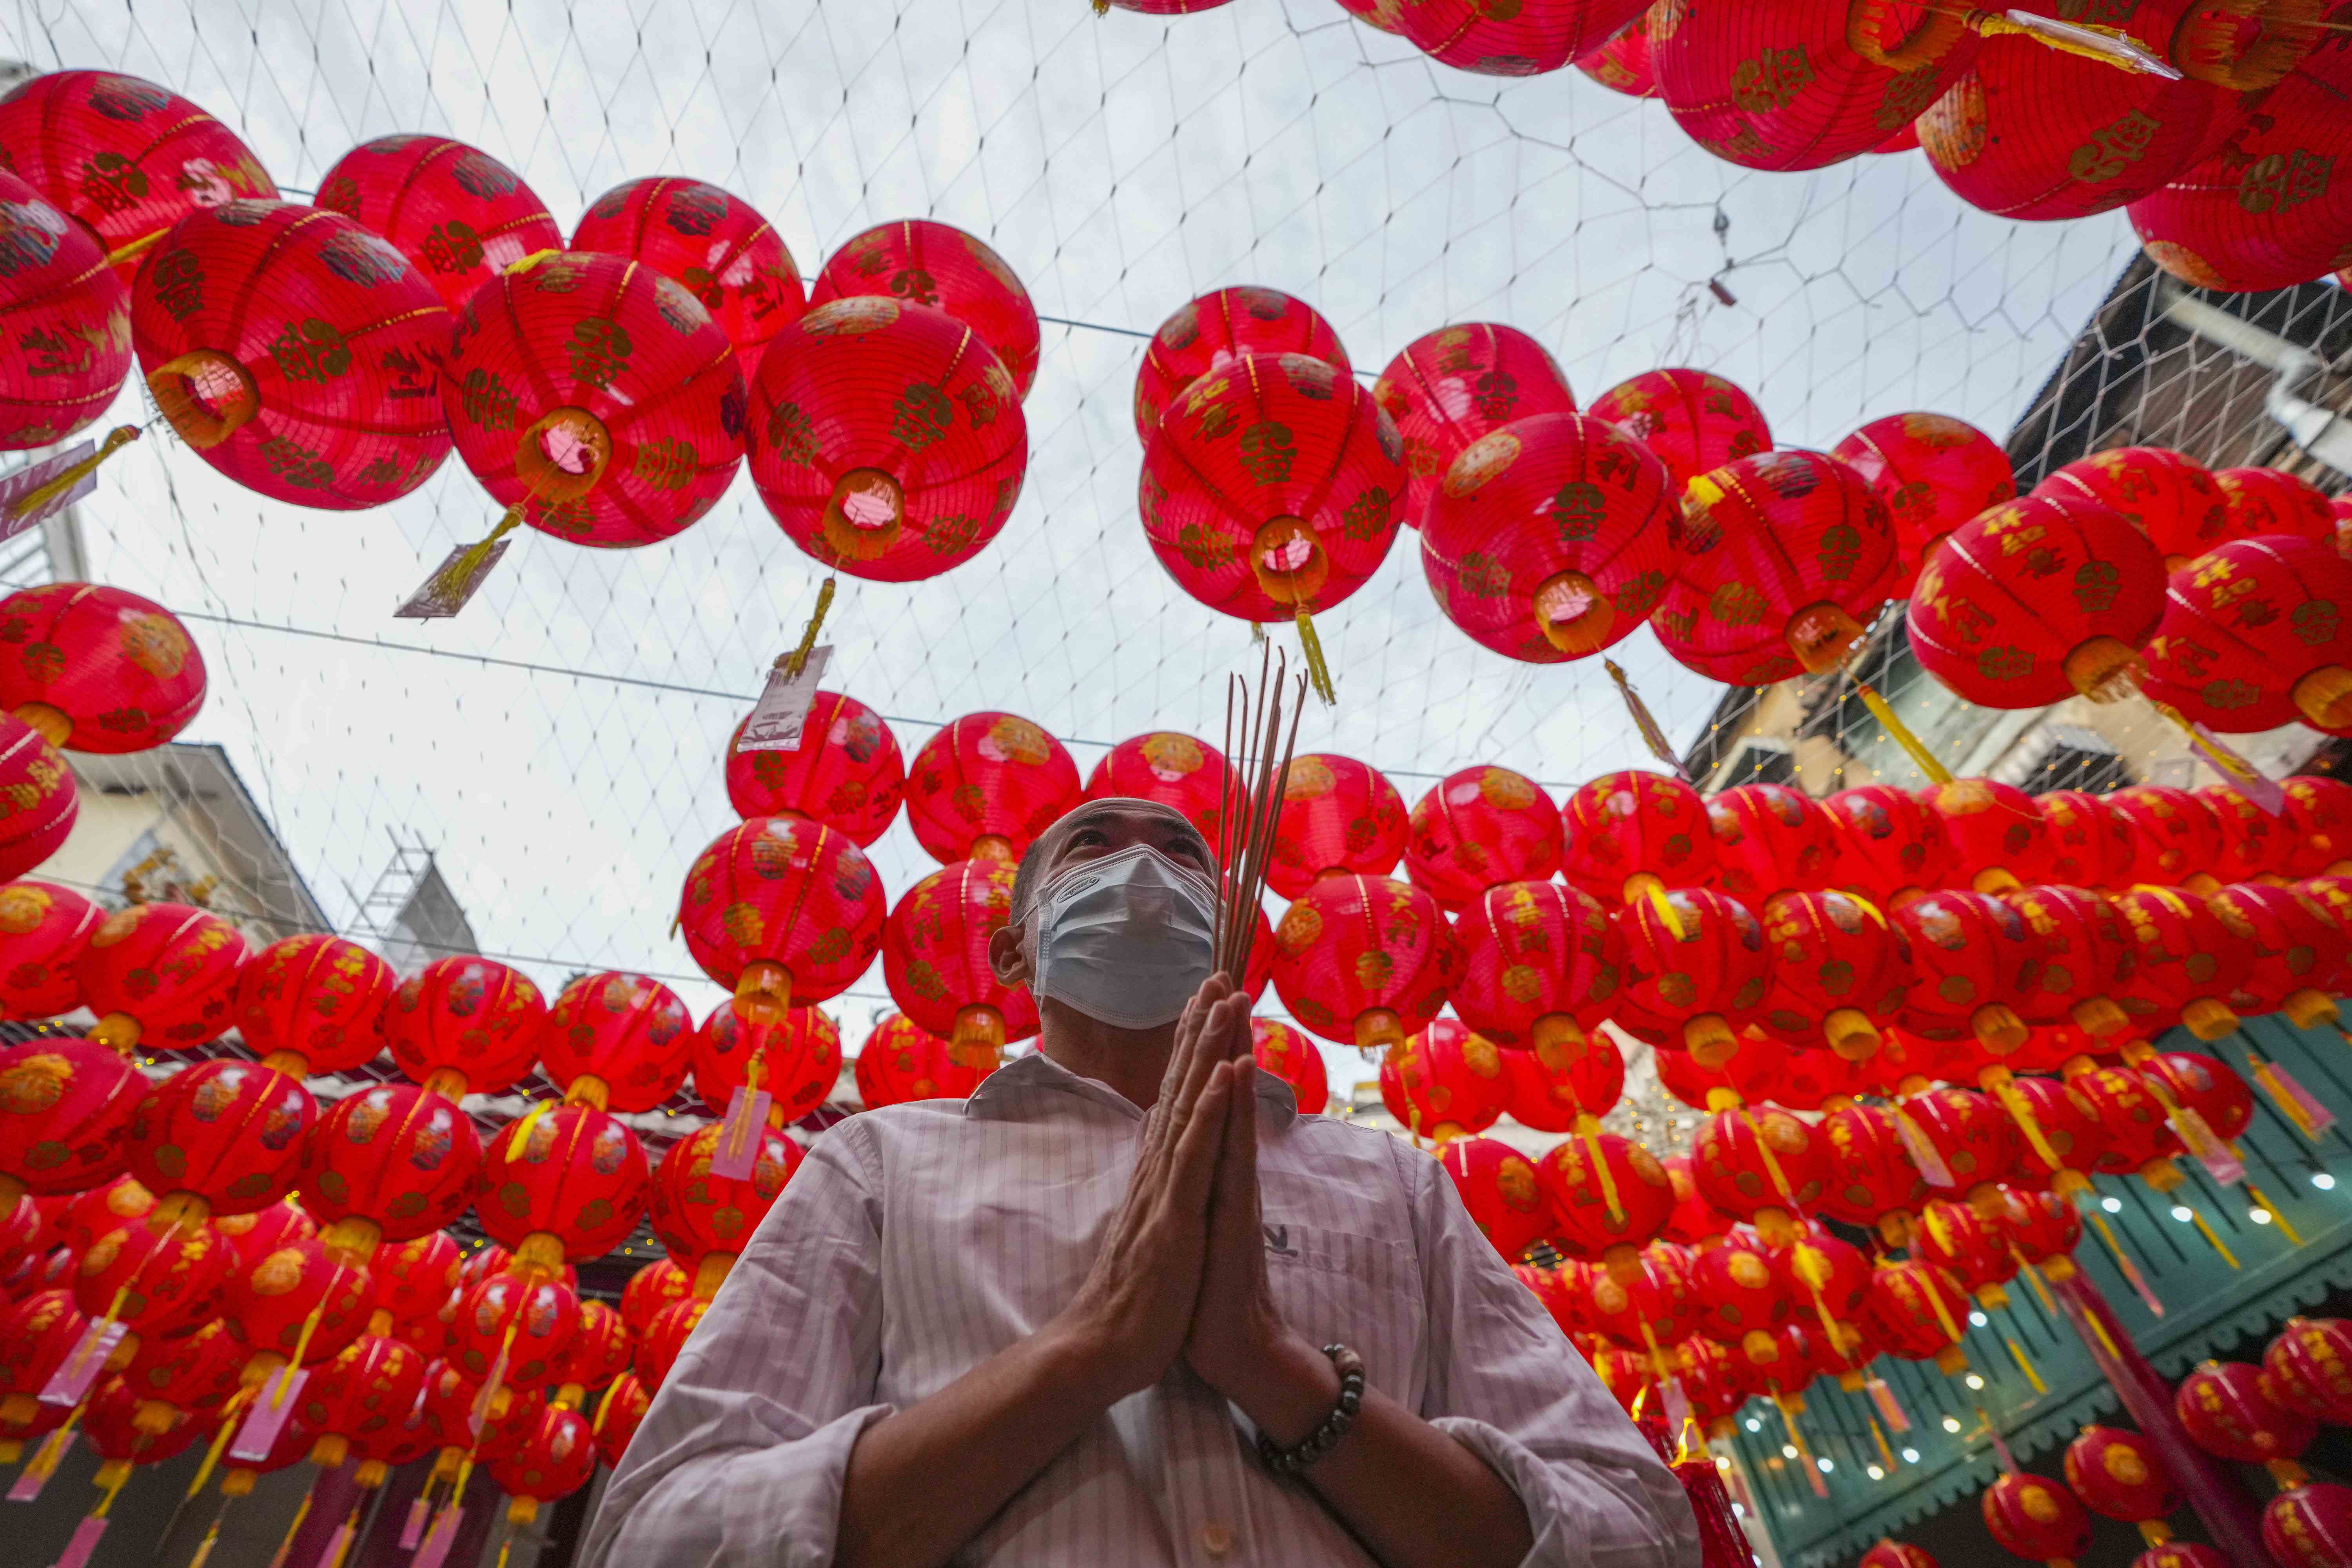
{"type": "Point", "coordinates": [1216, 1540]}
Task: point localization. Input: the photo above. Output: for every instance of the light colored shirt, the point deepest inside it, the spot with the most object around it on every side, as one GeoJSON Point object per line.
{"type": "Point", "coordinates": [917, 1240]}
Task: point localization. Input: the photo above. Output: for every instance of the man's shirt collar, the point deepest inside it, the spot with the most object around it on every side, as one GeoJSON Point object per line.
{"type": "Point", "coordinates": [1024, 1087]}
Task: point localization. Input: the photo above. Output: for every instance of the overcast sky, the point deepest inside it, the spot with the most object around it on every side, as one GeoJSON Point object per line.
{"type": "Point", "coordinates": [1121, 165]}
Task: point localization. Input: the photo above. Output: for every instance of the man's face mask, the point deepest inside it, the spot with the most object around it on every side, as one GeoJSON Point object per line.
{"type": "Point", "coordinates": [1125, 939]}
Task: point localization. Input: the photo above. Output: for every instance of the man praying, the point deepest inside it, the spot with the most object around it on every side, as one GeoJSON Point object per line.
{"type": "Point", "coordinates": [1128, 1306]}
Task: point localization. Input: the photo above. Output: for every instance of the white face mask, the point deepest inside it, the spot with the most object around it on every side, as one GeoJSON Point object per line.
{"type": "Point", "coordinates": [1125, 939]}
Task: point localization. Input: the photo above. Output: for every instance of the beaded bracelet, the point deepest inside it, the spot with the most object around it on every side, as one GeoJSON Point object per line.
{"type": "Point", "coordinates": [1326, 1437]}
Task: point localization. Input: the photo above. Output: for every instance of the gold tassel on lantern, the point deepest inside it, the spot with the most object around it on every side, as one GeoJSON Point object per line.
{"type": "Point", "coordinates": [1319, 673]}
{"type": "Point", "coordinates": [1917, 749]}
{"type": "Point", "coordinates": [31, 502]}
{"type": "Point", "coordinates": [792, 663]}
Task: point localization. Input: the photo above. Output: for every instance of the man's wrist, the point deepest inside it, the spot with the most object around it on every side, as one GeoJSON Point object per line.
{"type": "Point", "coordinates": [1290, 1392]}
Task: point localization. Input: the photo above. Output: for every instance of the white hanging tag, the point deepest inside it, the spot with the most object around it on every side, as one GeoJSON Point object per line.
{"type": "Point", "coordinates": [738, 1148]}
{"type": "Point", "coordinates": [783, 706]}
{"type": "Point", "coordinates": [268, 1416]}
{"type": "Point", "coordinates": [14, 518]}
{"type": "Point", "coordinates": [438, 600]}
{"type": "Point", "coordinates": [72, 1380]}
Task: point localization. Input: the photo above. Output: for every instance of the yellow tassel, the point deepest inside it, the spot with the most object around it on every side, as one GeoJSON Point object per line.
{"type": "Point", "coordinates": [1590, 1127]}
{"type": "Point", "coordinates": [2108, 46]}
{"type": "Point", "coordinates": [2033, 1276]}
{"type": "Point", "coordinates": [136, 248]}
{"type": "Point", "coordinates": [2198, 1219]}
{"type": "Point", "coordinates": [2277, 1218]}
{"type": "Point", "coordinates": [229, 1413]}
{"type": "Point", "coordinates": [2287, 1104]}
{"type": "Point", "coordinates": [2124, 1264]}
{"type": "Point", "coordinates": [1653, 736]}
{"type": "Point", "coordinates": [113, 1490]}
{"type": "Point", "coordinates": [1936, 772]}
{"type": "Point", "coordinates": [528, 263]}
{"type": "Point", "coordinates": [204, 1552]}
{"type": "Point", "coordinates": [1102, 8]}
{"type": "Point", "coordinates": [2028, 1123]}
{"type": "Point", "coordinates": [1771, 1164]}
{"type": "Point", "coordinates": [1664, 906]}
{"type": "Point", "coordinates": [460, 572]}
{"type": "Point", "coordinates": [1885, 1451]}
{"type": "Point", "coordinates": [1318, 672]}
{"type": "Point", "coordinates": [1943, 1313]}
{"type": "Point", "coordinates": [349, 1533]}
{"type": "Point", "coordinates": [41, 495]}
{"type": "Point", "coordinates": [797, 660]}
{"type": "Point", "coordinates": [2025, 1366]}
{"type": "Point", "coordinates": [300, 1513]}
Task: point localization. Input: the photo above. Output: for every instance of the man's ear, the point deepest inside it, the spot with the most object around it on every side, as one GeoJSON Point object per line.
{"type": "Point", "coordinates": [1005, 959]}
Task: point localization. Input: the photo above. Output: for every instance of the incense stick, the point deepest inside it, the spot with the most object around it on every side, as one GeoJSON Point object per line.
{"type": "Point", "coordinates": [1247, 850]}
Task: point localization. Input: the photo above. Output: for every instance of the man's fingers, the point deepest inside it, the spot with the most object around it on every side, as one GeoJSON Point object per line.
{"type": "Point", "coordinates": [1197, 1057]}
{"type": "Point", "coordinates": [1237, 1158]}
{"type": "Point", "coordinates": [1195, 1168]}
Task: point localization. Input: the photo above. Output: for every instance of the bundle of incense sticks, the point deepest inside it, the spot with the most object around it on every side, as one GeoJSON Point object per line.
{"type": "Point", "coordinates": [1245, 825]}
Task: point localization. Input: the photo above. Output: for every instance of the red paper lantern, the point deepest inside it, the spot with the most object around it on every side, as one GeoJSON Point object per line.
{"type": "Point", "coordinates": [1291, 1056]}
{"type": "Point", "coordinates": [554, 1459]}
{"type": "Point", "coordinates": [651, 1288]}
{"type": "Point", "coordinates": [1540, 966]}
{"type": "Point", "coordinates": [1498, 1187]}
{"type": "Point", "coordinates": [296, 351]}
{"type": "Point", "coordinates": [2187, 962]}
{"type": "Point", "coordinates": [1786, 85]}
{"type": "Point", "coordinates": [797, 1062]}
{"type": "Point", "coordinates": [1558, 1099]}
{"type": "Point", "coordinates": [461, 216]}
{"type": "Point", "coordinates": [1478, 828]}
{"type": "Point", "coordinates": [221, 1137]}
{"type": "Point", "coordinates": [109, 1419]}
{"type": "Point", "coordinates": [712, 242]}
{"type": "Point", "coordinates": [887, 441]}
{"type": "Point", "coordinates": [846, 772]}
{"type": "Point", "coordinates": [65, 1105]}
{"type": "Point", "coordinates": [272, 1299]}
{"type": "Point", "coordinates": [44, 930]}
{"type": "Point", "coordinates": [2028, 131]}
{"type": "Point", "coordinates": [2043, 1228]}
{"type": "Point", "coordinates": [2318, 824]}
{"type": "Point", "coordinates": [2037, 1518]}
{"type": "Point", "coordinates": [1623, 63]}
{"type": "Point", "coordinates": [464, 1025]}
{"type": "Point", "coordinates": [563, 1183]}
{"type": "Point", "coordinates": [2255, 636]}
{"type": "Point", "coordinates": [1445, 1082]}
{"type": "Point", "coordinates": [391, 1163]}
{"type": "Point", "coordinates": [2298, 952]}
{"type": "Point", "coordinates": [450, 1397]}
{"type": "Point", "coordinates": [526, 1320]}
{"type": "Point", "coordinates": [2087, 958]}
{"type": "Point", "coordinates": [779, 911]}
{"type": "Point", "coordinates": [1693, 421]}
{"type": "Point", "coordinates": [1770, 838]}
{"type": "Point", "coordinates": [367, 1390]}
{"type": "Point", "coordinates": [171, 1377]}
{"type": "Point", "coordinates": [1763, 1166]}
{"type": "Point", "coordinates": [2037, 600]}
{"type": "Point", "coordinates": [67, 313]}
{"type": "Point", "coordinates": [1972, 1135]}
{"type": "Point", "coordinates": [618, 1414]}
{"type": "Point", "coordinates": [1530, 42]}
{"type": "Point", "coordinates": [2175, 836]}
{"type": "Point", "coordinates": [2271, 500]}
{"type": "Point", "coordinates": [2090, 845]}
{"type": "Point", "coordinates": [1970, 1248]}
{"type": "Point", "coordinates": [2181, 1554]}
{"type": "Point", "coordinates": [1338, 817]}
{"type": "Point", "coordinates": [128, 158]}
{"type": "Point", "coordinates": [1546, 540]}
{"type": "Point", "coordinates": [1757, 1071]}
{"type": "Point", "coordinates": [986, 785]}
{"type": "Point", "coordinates": [415, 1278]}
{"type": "Point", "coordinates": [2309, 1368]}
{"type": "Point", "coordinates": [1998, 833]}
{"type": "Point", "coordinates": [314, 1002]}
{"type": "Point", "coordinates": [2139, 1140]}
{"type": "Point", "coordinates": [97, 668]}
{"type": "Point", "coordinates": [595, 398]}
{"type": "Point", "coordinates": [1914, 1311]}
{"type": "Point", "coordinates": [929, 263]}
{"type": "Point", "coordinates": [1695, 987]}
{"type": "Point", "coordinates": [1216, 329]}
{"type": "Point", "coordinates": [1832, 1277]}
{"type": "Point", "coordinates": [1977, 964]}
{"type": "Point", "coordinates": [1627, 832]}
{"type": "Point", "coordinates": [89, 1214]}
{"type": "Point", "coordinates": [1870, 1178]}
{"type": "Point", "coordinates": [1933, 473]}
{"type": "Point", "coordinates": [600, 1351]}
{"type": "Point", "coordinates": [1270, 488]}
{"type": "Point", "coordinates": [2206, 1085]}
{"type": "Point", "coordinates": [1364, 960]}
{"type": "Point", "coordinates": [1692, 1221]}
{"type": "Point", "coordinates": [935, 961]}
{"type": "Point", "coordinates": [2310, 1526]}
{"type": "Point", "coordinates": [1456, 385]}
{"type": "Point", "coordinates": [1736, 652]}
{"type": "Point", "coordinates": [704, 1219]}
{"type": "Point", "coordinates": [2069, 1130]}
{"type": "Point", "coordinates": [2176, 503]}
{"type": "Point", "coordinates": [2228, 1409]}
{"type": "Point", "coordinates": [626, 1034]}
{"type": "Point", "coordinates": [2261, 212]}
{"type": "Point", "coordinates": [1737, 1291]}
{"type": "Point", "coordinates": [2253, 842]}
{"type": "Point", "coordinates": [154, 1280]}
{"type": "Point", "coordinates": [1838, 970]}
{"type": "Point", "coordinates": [1173, 769]}
{"type": "Point", "coordinates": [37, 802]}
{"type": "Point", "coordinates": [1897, 1555]}
{"type": "Point", "coordinates": [1609, 1198]}
{"type": "Point", "coordinates": [901, 1062]}
{"type": "Point", "coordinates": [1793, 542]}
{"type": "Point", "coordinates": [671, 1328]}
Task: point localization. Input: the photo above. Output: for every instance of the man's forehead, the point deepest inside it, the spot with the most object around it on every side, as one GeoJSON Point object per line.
{"type": "Point", "coordinates": [1118, 808]}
